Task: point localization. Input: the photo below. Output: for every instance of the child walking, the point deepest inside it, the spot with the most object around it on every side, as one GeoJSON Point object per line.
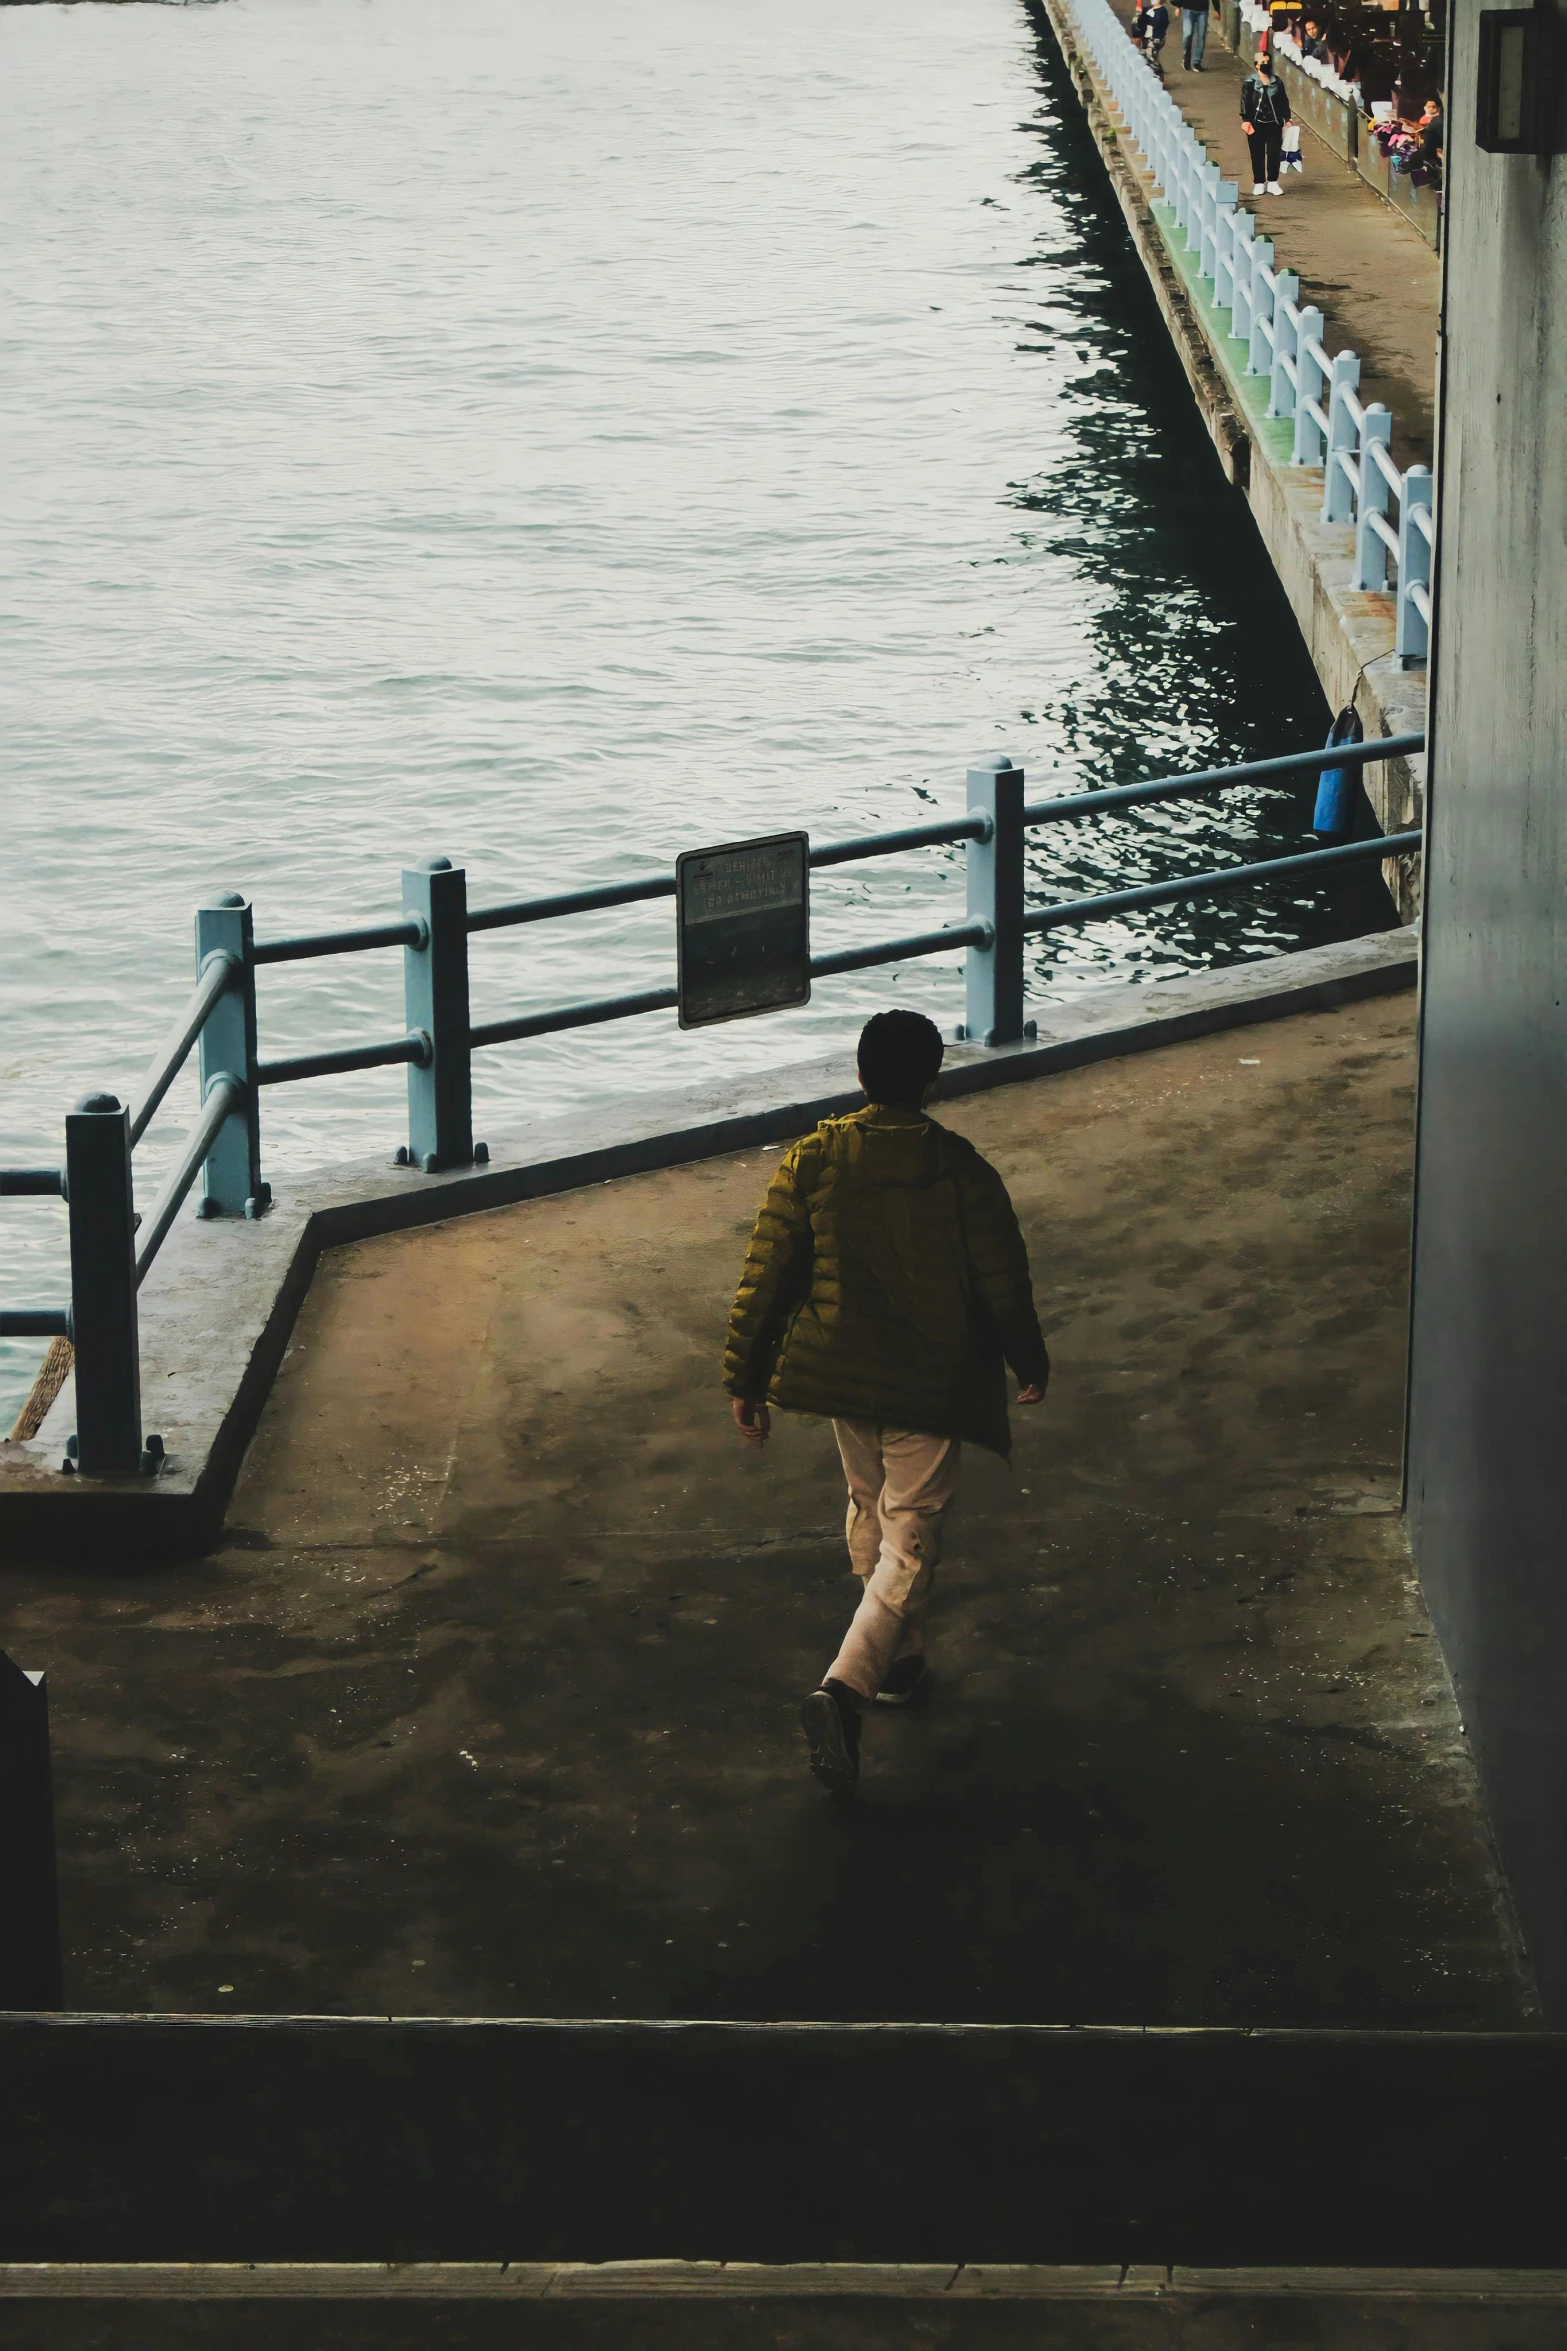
{"type": "Point", "coordinates": [886, 1288]}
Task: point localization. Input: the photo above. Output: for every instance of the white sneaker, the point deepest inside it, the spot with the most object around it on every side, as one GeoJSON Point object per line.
{"type": "Point", "coordinates": [1274, 189]}
{"type": "Point", "coordinates": [1256, 187]}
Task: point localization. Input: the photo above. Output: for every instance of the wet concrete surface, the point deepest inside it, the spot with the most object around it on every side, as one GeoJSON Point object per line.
{"type": "Point", "coordinates": [1348, 2323]}
{"type": "Point", "coordinates": [488, 1704]}
{"type": "Point", "coordinates": [1368, 269]}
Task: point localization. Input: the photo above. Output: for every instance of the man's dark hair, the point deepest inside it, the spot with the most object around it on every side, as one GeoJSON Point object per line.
{"type": "Point", "coordinates": [900, 1052]}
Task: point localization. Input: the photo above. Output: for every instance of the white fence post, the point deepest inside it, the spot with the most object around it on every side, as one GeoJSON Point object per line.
{"type": "Point", "coordinates": [1223, 271]}
{"type": "Point", "coordinates": [1413, 641]}
{"type": "Point", "coordinates": [1370, 546]}
{"type": "Point", "coordinates": [1259, 357]}
{"type": "Point", "coordinates": [1281, 383]}
{"type": "Point", "coordinates": [1310, 380]}
{"type": "Point", "coordinates": [1338, 491]}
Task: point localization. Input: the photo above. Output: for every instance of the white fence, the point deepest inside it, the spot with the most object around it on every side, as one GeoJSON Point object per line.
{"type": "Point", "coordinates": [1283, 338]}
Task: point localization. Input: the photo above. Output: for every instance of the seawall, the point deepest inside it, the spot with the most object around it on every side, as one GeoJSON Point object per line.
{"type": "Point", "coordinates": [1347, 631]}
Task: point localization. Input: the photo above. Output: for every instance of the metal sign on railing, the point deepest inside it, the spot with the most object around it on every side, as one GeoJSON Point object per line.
{"type": "Point", "coordinates": [743, 928]}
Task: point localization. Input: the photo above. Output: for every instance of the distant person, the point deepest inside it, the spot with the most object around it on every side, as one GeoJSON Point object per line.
{"type": "Point", "coordinates": [1194, 37]}
{"type": "Point", "coordinates": [886, 1288]}
{"type": "Point", "coordinates": [1313, 41]}
{"type": "Point", "coordinates": [1150, 26]}
{"type": "Point", "coordinates": [1265, 109]}
{"type": "Point", "coordinates": [1432, 130]}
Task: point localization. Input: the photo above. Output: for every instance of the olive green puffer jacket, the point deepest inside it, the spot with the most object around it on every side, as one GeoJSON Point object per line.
{"type": "Point", "coordinates": [887, 1281]}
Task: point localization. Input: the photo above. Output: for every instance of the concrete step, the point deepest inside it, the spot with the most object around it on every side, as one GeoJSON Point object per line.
{"type": "Point", "coordinates": [289, 2140]}
{"type": "Point", "coordinates": [710, 2308]}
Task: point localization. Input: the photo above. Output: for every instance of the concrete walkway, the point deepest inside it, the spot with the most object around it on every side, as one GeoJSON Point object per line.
{"type": "Point", "coordinates": [1370, 270]}
{"type": "Point", "coordinates": [489, 1703]}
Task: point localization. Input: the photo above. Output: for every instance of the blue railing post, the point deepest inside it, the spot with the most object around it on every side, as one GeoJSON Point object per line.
{"type": "Point", "coordinates": [231, 1176]}
{"type": "Point", "coordinates": [993, 990]}
{"type": "Point", "coordinates": [103, 1288]}
{"type": "Point", "coordinates": [435, 987]}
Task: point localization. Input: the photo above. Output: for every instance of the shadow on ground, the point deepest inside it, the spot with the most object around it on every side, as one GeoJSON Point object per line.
{"type": "Point", "coordinates": [488, 1704]}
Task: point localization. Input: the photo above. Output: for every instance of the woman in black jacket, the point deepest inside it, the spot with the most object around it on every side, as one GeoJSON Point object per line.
{"type": "Point", "coordinates": [1265, 109]}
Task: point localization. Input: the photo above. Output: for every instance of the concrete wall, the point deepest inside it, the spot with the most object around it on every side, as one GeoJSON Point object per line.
{"type": "Point", "coordinates": [1488, 1392]}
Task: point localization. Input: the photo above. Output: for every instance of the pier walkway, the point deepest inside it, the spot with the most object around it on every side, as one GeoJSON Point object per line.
{"type": "Point", "coordinates": [1371, 270]}
{"type": "Point", "coordinates": [488, 1704]}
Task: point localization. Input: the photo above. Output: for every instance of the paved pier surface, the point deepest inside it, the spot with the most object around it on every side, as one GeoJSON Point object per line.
{"type": "Point", "coordinates": [1369, 269]}
{"type": "Point", "coordinates": [488, 1705]}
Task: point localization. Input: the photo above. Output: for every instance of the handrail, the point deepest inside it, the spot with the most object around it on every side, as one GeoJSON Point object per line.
{"type": "Point", "coordinates": [24, 1183]}
{"type": "Point", "coordinates": [1218, 778]}
{"type": "Point", "coordinates": [357, 942]}
{"type": "Point", "coordinates": [520, 910]}
{"type": "Point", "coordinates": [414, 1047]}
{"type": "Point", "coordinates": [1207, 885]}
{"type": "Point", "coordinates": [596, 897]}
{"type": "Point", "coordinates": [573, 1016]}
{"type": "Point", "coordinates": [973, 934]}
{"type": "Point", "coordinates": [170, 1058]}
{"type": "Point", "coordinates": [34, 1322]}
{"type": "Point", "coordinates": [222, 1095]}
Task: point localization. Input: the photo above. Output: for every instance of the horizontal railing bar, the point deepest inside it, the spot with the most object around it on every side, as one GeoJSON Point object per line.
{"type": "Point", "coordinates": [1317, 413]}
{"type": "Point", "coordinates": [605, 1008]}
{"type": "Point", "coordinates": [1351, 466]}
{"type": "Point", "coordinates": [1384, 531]}
{"type": "Point", "coordinates": [1205, 885]}
{"type": "Point", "coordinates": [1382, 459]}
{"type": "Point", "coordinates": [170, 1057]}
{"type": "Point", "coordinates": [1357, 413]}
{"type": "Point", "coordinates": [1423, 520]}
{"type": "Point", "coordinates": [221, 1098]}
{"type": "Point", "coordinates": [34, 1322]}
{"type": "Point", "coordinates": [1216, 778]}
{"type": "Point", "coordinates": [969, 934]}
{"type": "Point", "coordinates": [1420, 598]}
{"type": "Point", "coordinates": [415, 1046]}
{"type": "Point", "coordinates": [1315, 351]}
{"type": "Point", "coordinates": [573, 1016]}
{"type": "Point", "coordinates": [32, 1183]}
{"type": "Point", "coordinates": [917, 836]}
{"type": "Point", "coordinates": [499, 918]}
{"type": "Point", "coordinates": [920, 836]}
{"type": "Point", "coordinates": [386, 934]}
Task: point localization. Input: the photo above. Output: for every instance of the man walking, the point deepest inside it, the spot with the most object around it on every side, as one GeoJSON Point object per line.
{"type": "Point", "coordinates": [886, 1287]}
{"type": "Point", "coordinates": [1194, 37]}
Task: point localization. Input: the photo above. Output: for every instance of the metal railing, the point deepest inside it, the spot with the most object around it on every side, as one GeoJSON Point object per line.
{"type": "Point", "coordinates": [1273, 334]}
{"type": "Point", "coordinates": [110, 1257]}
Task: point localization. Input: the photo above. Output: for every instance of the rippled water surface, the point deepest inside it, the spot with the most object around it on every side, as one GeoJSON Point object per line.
{"type": "Point", "coordinates": [556, 436]}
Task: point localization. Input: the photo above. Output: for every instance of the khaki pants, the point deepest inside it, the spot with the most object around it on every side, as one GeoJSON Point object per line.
{"type": "Point", "coordinates": [901, 1484]}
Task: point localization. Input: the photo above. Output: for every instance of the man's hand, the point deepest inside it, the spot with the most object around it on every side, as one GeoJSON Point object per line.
{"type": "Point", "coordinates": [1033, 1394]}
{"type": "Point", "coordinates": [754, 1421]}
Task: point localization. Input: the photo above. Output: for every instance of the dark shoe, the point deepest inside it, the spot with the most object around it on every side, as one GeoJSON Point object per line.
{"type": "Point", "coordinates": [832, 1732]}
{"type": "Point", "coordinates": [906, 1682]}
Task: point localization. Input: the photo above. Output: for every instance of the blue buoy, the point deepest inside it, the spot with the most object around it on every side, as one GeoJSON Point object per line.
{"type": "Point", "coordinates": [1337, 787]}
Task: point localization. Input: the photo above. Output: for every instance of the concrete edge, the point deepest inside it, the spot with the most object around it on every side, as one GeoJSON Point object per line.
{"type": "Point", "coordinates": [745, 2281]}
{"type": "Point", "coordinates": [219, 1307]}
{"type": "Point", "coordinates": [1348, 632]}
